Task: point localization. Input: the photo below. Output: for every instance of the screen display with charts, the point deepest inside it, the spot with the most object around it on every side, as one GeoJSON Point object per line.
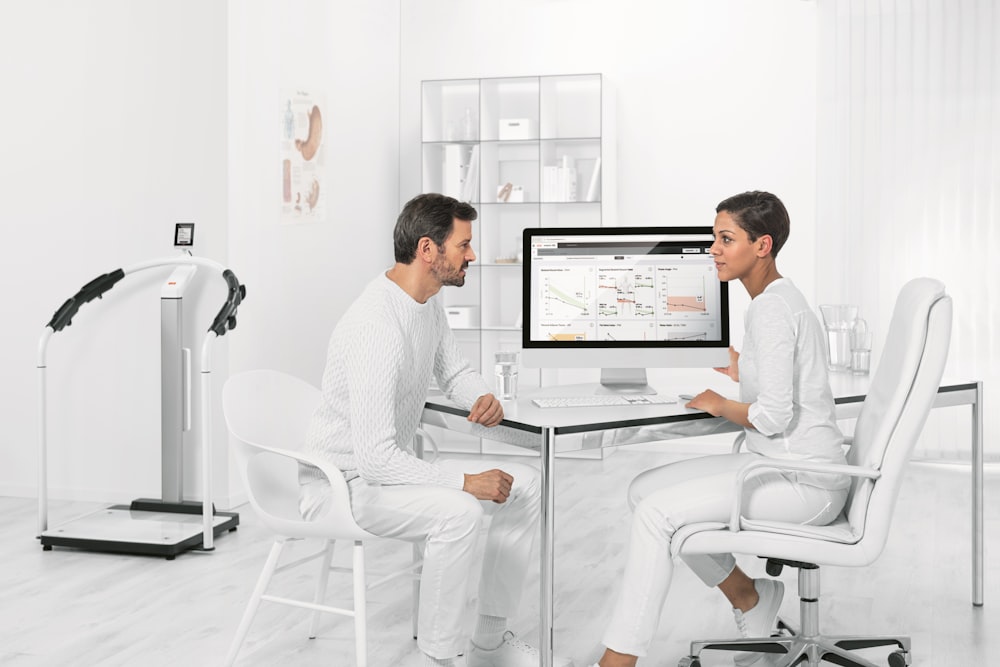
{"type": "Point", "coordinates": [628, 288]}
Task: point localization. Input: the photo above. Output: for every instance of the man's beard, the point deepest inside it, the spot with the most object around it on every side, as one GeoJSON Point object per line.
{"type": "Point", "coordinates": [447, 274]}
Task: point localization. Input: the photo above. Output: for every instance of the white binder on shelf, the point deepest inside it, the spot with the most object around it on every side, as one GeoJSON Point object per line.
{"type": "Point", "coordinates": [453, 167]}
{"type": "Point", "coordinates": [471, 176]}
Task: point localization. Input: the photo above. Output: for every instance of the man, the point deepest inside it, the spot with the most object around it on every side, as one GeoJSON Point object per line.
{"type": "Point", "coordinates": [380, 361]}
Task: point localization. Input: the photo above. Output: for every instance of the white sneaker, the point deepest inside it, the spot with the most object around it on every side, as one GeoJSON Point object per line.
{"type": "Point", "coordinates": [511, 653]}
{"type": "Point", "coordinates": [762, 620]}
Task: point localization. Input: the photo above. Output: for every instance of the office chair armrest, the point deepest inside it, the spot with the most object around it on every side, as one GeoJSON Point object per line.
{"type": "Point", "coordinates": [741, 438]}
{"type": "Point", "coordinates": [428, 438]}
{"type": "Point", "coordinates": [330, 471]}
{"type": "Point", "coordinates": [797, 466]}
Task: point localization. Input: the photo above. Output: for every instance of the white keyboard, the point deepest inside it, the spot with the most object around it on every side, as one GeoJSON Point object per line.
{"type": "Point", "coordinates": [600, 400]}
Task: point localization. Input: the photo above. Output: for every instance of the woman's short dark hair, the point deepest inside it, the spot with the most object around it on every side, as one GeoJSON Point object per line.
{"type": "Point", "coordinates": [431, 215]}
{"type": "Point", "coordinates": [759, 213]}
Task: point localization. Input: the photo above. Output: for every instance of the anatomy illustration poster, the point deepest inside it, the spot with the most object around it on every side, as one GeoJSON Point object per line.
{"type": "Point", "coordinates": [302, 169]}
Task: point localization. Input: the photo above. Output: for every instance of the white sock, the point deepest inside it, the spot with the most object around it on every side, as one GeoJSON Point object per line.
{"type": "Point", "coordinates": [435, 662]}
{"type": "Point", "coordinates": [489, 631]}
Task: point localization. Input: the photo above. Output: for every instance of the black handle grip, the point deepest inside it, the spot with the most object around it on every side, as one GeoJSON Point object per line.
{"type": "Point", "coordinates": [92, 290]}
{"type": "Point", "coordinates": [225, 320]}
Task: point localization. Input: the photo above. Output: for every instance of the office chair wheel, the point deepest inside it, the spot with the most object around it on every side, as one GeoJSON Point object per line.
{"type": "Point", "coordinates": [899, 659]}
{"type": "Point", "coordinates": [689, 661]}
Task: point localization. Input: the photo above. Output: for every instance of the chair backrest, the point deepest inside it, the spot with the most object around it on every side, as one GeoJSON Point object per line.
{"type": "Point", "coordinates": [901, 394]}
{"type": "Point", "coordinates": [268, 414]}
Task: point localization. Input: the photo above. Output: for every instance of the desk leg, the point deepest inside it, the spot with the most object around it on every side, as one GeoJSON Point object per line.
{"type": "Point", "coordinates": [418, 551]}
{"type": "Point", "coordinates": [977, 497]}
{"type": "Point", "coordinates": [547, 551]}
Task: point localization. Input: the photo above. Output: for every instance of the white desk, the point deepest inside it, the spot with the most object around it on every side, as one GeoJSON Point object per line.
{"type": "Point", "coordinates": [536, 428]}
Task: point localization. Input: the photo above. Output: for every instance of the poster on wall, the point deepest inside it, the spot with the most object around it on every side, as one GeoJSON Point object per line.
{"type": "Point", "coordinates": [302, 191]}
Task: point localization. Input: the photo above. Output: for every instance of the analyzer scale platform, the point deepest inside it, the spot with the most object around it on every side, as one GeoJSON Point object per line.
{"type": "Point", "coordinates": [149, 527]}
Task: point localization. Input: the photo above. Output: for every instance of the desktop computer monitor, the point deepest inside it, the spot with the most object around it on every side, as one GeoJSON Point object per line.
{"type": "Point", "coordinates": [623, 299]}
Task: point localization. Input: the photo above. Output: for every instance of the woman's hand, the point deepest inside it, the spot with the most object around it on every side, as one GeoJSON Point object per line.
{"type": "Point", "coordinates": [720, 406]}
{"type": "Point", "coordinates": [707, 401]}
{"type": "Point", "coordinates": [733, 369]}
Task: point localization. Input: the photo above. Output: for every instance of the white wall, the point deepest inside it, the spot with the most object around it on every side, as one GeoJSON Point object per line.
{"type": "Point", "coordinates": [122, 118]}
{"type": "Point", "coordinates": [713, 97]}
{"type": "Point", "coordinates": [301, 277]}
{"type": "Point", "coordinates": [113, 130]}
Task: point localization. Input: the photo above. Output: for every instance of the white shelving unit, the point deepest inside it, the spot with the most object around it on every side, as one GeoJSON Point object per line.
{"type": "Point", "coordinates": [532, 151]}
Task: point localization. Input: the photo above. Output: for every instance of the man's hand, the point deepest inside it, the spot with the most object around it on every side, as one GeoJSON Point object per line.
{"type": "Point", "coordinates": [733, 369]}
{"type": "Point", "coordinates": [487, 411]}
{"type": "Point", "coordinates": [490, 485]}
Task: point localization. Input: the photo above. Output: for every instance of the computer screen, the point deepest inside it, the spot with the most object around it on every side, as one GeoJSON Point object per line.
{"type": "Point", "coordinates": [623, 299]}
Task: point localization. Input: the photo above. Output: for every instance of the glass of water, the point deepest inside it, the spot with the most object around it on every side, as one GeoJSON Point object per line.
{"type": "Point", "coordinates": [506, 372]}
{"type": "Point", "coordinates": [861, 348]}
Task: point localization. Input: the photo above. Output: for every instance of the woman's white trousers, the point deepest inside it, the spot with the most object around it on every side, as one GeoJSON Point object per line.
{"type": "Point", "coordinates": [693, 491]}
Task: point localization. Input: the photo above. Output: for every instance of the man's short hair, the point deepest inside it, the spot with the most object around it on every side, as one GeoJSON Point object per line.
{"type": "Point", "coordinates": [431, 215]}
{"type": "Point", "coordinates": [759, 213]}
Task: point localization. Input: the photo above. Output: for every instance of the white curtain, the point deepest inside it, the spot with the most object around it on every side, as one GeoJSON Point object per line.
{"type": "Point", "coordinates": [909, 177]}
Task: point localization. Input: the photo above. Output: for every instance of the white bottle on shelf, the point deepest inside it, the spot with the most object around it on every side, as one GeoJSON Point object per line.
{"type": "Point", "coordinates": [567, 180]}
{"type": "Point", "coordinates": [550, 183]}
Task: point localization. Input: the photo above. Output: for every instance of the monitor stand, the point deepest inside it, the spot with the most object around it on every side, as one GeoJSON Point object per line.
{"type": "Point", "coordinates": [624, 381]}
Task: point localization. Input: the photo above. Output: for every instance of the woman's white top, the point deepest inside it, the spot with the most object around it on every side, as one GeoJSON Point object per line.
{"type": "Point", "coordinates": [381, 359]}
{"type": "Point", "coordinates": [783, 376]}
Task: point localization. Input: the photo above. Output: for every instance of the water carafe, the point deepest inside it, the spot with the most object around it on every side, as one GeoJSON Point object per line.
{"type": "Point", "coordinates": [838, 319]}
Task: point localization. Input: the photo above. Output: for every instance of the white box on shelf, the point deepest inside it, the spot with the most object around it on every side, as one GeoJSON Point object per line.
{"type": "Point", "coordinates": [462, 317]}
{"type": "Point", "coordinates": [515, 128]}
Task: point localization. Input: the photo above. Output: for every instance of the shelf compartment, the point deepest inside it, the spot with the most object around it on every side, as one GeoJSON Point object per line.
{"type": "Point", "coordinates": [509, 99]}
{"type": "Point", "coordinates": [570, 106]}
{"type": "Point", "coordinates": [576, 160]}
{"type": "Point", "coordinates": [500, 230]}
{"type": "Point", "coordinates": [444, 110]}
{"type": "Point", "coordinates": [446, 169]}
{"type": "Point", "coordinates": [578, 214]}
{"type": "Point", "coordinates": [503, 308]}
{"type": "Point", "coordinates": [514, 162]}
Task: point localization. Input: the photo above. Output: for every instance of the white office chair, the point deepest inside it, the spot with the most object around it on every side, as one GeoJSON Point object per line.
{"type": "Point", "coordinates": [268, 412]}
{"type": "Point", "coordinates": [891, 419]}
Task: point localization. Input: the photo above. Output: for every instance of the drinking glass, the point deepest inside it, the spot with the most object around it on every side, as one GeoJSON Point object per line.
{"type": "Point", "coordinates": [861, 348]}
{"type": "Point", "coordinates": [506, 372]}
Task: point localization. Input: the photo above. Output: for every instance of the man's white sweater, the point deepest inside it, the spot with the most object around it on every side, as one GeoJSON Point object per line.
{"type": "Point", "coordinates": [380, 361]}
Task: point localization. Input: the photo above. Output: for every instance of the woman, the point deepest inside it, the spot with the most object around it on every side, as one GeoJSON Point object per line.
{"type": "Point", "coordinates": [787, 409]}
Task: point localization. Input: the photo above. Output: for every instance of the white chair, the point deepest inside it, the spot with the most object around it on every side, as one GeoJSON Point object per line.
{"type": "Point", "coordinates": [892, 416]}
{"type": "Point", "coordinates": [267, 413]}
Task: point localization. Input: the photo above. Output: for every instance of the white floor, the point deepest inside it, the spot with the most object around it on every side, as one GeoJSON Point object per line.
{"type": "Point", "coordinates": [68, 607]}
